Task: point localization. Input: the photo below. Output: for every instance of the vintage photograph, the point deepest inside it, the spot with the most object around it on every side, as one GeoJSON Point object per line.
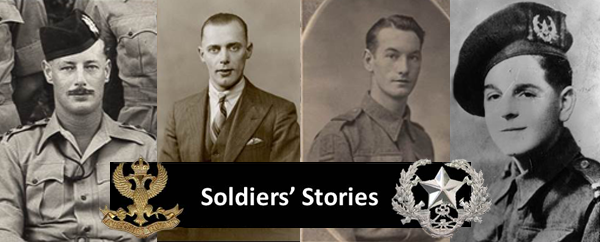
{"type": "Point", "coordinates": [375, 89]}
{"type": "Point", "coordinates": [54, 165]}
{"type": "Point", "coordinates": [524, 110]}
{"type": "Point", "coordinates": [229, 91]}
{"type": "Point", "coordinates": [230, 82]}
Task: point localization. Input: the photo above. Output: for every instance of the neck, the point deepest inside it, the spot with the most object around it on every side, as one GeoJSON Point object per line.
{"type": "Point", "coordinates": [530, 159]}
{"type": "Point", "coordinates": [83, 127]}
{"type": "Point", "coordinates": [394, 105]}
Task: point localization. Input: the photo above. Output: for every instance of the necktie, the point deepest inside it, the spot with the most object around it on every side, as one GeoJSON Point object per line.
{"type": "Point", "coordinates": [220, 118]}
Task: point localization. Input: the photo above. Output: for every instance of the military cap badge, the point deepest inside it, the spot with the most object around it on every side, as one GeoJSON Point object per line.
{"type": "Point", "coordinates": [442, 198]}
{"type": "Point", "coordinates": [140, 196]}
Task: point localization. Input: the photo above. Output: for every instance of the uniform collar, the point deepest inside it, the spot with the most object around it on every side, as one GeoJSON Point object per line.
{"type": "Point", "coordinates": [108, 129]}
{"type": "Point", "coordinates": [543, 170]}
{"type": "Point", "coordinates": [390, 122]}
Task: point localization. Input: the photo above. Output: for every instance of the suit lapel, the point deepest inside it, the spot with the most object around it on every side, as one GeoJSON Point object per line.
{"type": "Point", "coordinates": [250, 114]}
{"type": "Point", "coordinates": [196, 116]}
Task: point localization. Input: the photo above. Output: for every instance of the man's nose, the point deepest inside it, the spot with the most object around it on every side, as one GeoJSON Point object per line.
{"type": "Point", "coordinates": [508, 108]}
{"type": "Point", "coordinates": [80, 79]}
{"type": "Point", "coordinates": [224, 57]}
{"type": "Point", "coordinates": [401, 65]}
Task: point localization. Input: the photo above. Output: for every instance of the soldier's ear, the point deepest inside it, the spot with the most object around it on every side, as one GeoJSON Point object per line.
{"type": "Point", "coordinates": [107, 69]}
{"type": "Point", "coordinates": [567, 103]}
{"type": "Point", "coordinates": [249, 49]}
{"type": "Point", "coordinates": [201, 53]}
{"type": "Point", "coordinates": [47, 69]}
{"type": "Point", "coordinates": [368, 60]}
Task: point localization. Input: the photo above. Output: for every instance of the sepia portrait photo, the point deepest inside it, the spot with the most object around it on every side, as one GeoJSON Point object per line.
{"type": "Point", "coordinates": [375, 89]}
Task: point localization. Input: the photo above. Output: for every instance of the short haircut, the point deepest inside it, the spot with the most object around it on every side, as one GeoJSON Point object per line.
{"type": "Point", "coordinates": [222, 19]}
{"type": "Point", "coordinates": [558, 72]}
{"type": "Point", "coordinates": [396, 21]}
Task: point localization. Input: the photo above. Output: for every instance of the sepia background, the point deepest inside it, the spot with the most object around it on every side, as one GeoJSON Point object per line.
{"type": "Point", "coordinates": [469, 136]}
{"type": "Point", "coordinates": [273, 27]}
{"type": "Point", "coordinates": [335, 81]}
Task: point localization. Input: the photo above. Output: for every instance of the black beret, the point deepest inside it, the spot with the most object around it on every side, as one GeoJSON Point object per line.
{"type": "Point", "coordinates": [520, 29]}
{"type": "Point", "coordinates": [74, 34]}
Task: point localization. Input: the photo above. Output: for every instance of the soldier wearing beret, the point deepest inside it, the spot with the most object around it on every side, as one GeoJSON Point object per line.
{"type": "Point", "coordinates": [380, 129]}
{"type": "Point", "coordinates": [55, 174]}
{"type": "Point", "coordinates": [514, 72]}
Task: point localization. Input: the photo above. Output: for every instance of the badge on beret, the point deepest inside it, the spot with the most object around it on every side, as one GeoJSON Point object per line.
{"type": "Point", "coordinates": [91, 25]}
{"type": "Point", "coordinates": [545, 30]}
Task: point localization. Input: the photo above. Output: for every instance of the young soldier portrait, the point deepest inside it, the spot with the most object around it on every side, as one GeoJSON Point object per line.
{"type": "Point", "coordinates": [514, 71]}
{"type": "Point", "coordinates": [54, 174]}
{"type": "Point", "coordinates": [395, 54]}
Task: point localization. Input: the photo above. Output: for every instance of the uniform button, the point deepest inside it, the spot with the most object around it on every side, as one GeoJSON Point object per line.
{"type": "Point", "coordinates": [81, 239]}
{"type": "Point", "coordinates": [83, 197]}
{"type": "Point", "coordinates": [130, 33]}
{"type": "Point", "coordinates": [35, 181]}
{"type": "Point", "coordinates": [584, 164]}
{"type": "Point", "coordinates": [87, 229]}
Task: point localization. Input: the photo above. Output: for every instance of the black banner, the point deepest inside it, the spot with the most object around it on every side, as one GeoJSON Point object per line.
{"type": "Point", "coordinates": [284, 195]}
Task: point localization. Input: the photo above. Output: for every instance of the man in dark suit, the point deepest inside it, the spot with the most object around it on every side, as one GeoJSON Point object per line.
{"type": "Point", "coordinates": [231, 120]}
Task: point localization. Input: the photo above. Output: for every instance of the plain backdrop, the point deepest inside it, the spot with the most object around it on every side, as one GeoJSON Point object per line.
{"type": "Point", "coordinates": [273, 27]}
{"type": "Point", "coordinates": [469, 136]}
{"type": "Point", "coordinates": [334, 78]}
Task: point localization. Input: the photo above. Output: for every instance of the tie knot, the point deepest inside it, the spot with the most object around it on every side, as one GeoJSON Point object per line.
{"type": "Point", "coordinates": [222, 97]}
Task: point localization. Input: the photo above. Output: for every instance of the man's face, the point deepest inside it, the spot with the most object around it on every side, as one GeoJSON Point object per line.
{"type": "Point", "coordinates": [79, 80]}
{"type": "Point", "coordinates": [396, 64]}
{"type": "Point", "coordinates": [522, 111]}
{"type": "Point", "coordinates": [224, 50]}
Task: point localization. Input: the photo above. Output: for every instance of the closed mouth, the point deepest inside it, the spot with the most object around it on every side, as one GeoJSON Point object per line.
{"type": "Point", "coordinates": [513, 129]}
{"type": "Point", "coordinates": [80, 92]}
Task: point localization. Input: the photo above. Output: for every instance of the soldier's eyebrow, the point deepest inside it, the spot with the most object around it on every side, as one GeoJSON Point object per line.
{"type": "Point", "coordinates": [90, 62]}
{"type": "Point", "coordinates": [491, 86]}
{"type": "Point", "coordinates": [524, 86]}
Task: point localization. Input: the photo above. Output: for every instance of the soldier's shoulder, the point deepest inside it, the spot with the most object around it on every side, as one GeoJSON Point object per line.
{"type": "Point", "coordinates": [589, 168]}
{"type": "Point", "coordinates": [338, 123]}
{"type": "Point", "coordinates": [23, 130]}
{"type": "Point", "coordinates": [137, 132]}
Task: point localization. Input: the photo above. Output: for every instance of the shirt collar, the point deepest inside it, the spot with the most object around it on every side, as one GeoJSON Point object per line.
{"type": "Point", "coordinates": [390, 122]}
{"type": "Point", "coordinates": [544, 168]}
{"type": "Point", "coordinates": [108, 129]}
{"type": "Point", "coordinates": [232, 93]}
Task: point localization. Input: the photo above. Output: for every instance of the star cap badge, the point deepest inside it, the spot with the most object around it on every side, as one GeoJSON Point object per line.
{"type": "Point", "coordinates": [442, 189]}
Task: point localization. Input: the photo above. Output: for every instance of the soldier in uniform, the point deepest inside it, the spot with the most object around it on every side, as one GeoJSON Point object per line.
{"type": "Point", "coordinates": [514, 72]}
{"type": "Point", "coordinates": [20, 57]}
{"type": "Point", "coordinates": [55, 174]}
{"type": "Point", "coordinates": [129, 31]}
{"type": "Point", "coordinates": [380, 130]}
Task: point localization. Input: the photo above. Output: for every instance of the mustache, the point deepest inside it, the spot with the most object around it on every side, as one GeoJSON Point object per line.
{"type": "Point", "coordinates": [80, 91]}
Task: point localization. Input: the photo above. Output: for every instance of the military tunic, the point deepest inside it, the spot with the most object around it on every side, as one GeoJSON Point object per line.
{"type": "Point", "coordinates": [552, 201]}
{"type": "Point", "coordinates": [39, 198]}
{"type": "Point", "coordinates": [370, 133]}
{"type": "Point", "coordinates": [129, 28]}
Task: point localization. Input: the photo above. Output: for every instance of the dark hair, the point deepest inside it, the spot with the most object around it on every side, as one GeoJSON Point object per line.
{"type": "Point", "coordinates": [224, 18]}
{"type": "Point", "coordinates": [396, 21]}
{"type": "Point", "coordinates": [557, 70]}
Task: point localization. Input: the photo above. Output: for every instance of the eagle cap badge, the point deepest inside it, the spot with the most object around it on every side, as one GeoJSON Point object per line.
{"type": "Point", "coordinates": [140, 196]}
